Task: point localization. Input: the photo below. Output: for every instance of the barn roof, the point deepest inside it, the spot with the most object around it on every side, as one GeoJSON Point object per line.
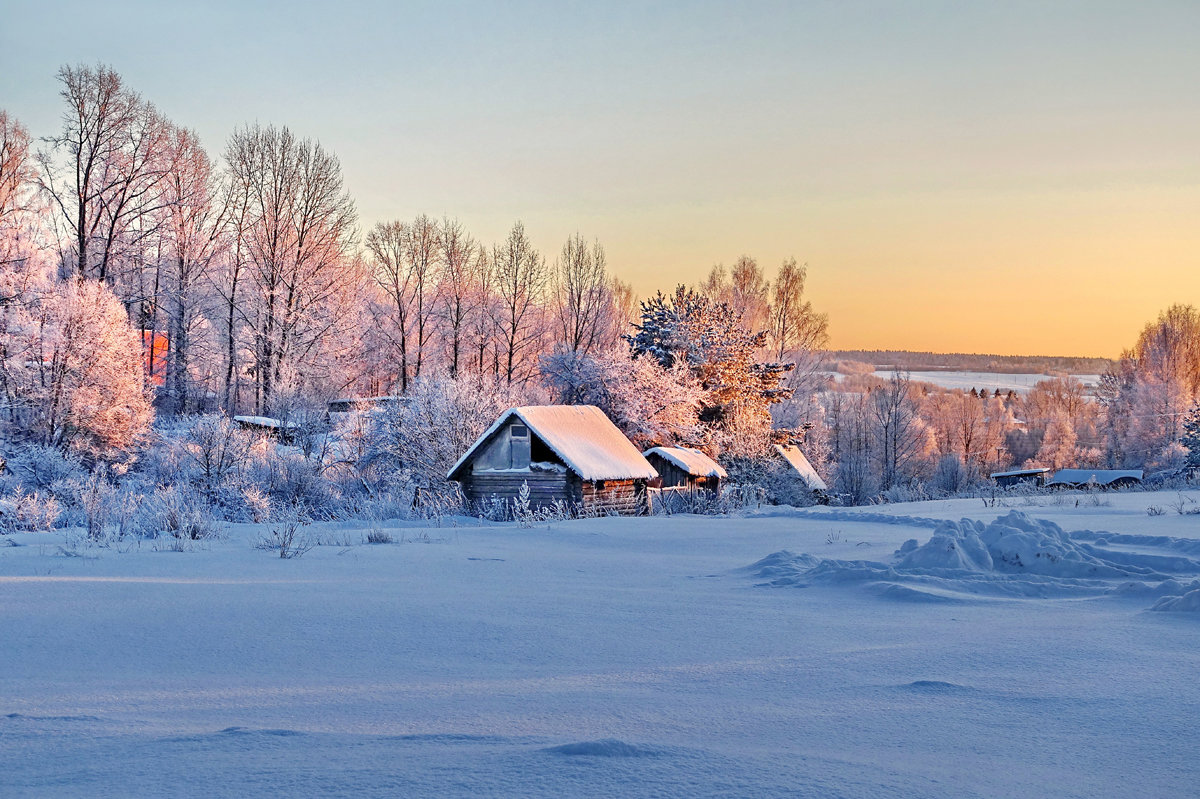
{"type": "Point", "coordinates": [586, 440]}
{"type": "Point", "coordinates": [1020, 472]}
{"type": "Point", "coordinates": [692, 461]}
{"type": "Point", "coordinates": [797, 461]}
{"type": "Point", "coordinates": [1102, 477]}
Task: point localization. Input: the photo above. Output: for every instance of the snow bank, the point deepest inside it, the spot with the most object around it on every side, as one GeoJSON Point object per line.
{"type": "Point", "coordinates": [1187, 603]}
{"type": "Point", "coordinates": [1015, 555]}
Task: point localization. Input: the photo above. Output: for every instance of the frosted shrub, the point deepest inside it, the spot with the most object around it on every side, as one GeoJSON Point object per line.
{"type": "Point", "coordinates": [905, 493]}
{"type": "Point", "coordinates": [21, 511]}
{"type": "Point", "coordinates": [521, 511]}
{"type": "Point", "coordinates": [94, 496]}
{"type": "Point", "coordinates": [288, 534]}
{"type": "Point", "coordinates": [952, 475]}
{"type": "Point", "coordinates": [669, 503]}
{"type": "Point", "coordinates": [218, 449]}
{"type": "Point", "coordinates": [41, 467]}
{"type": "Point", "coordinates": [183, 514]}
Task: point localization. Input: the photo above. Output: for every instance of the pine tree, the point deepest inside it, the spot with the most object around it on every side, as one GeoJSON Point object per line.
{"type": "Point", "coordinates": [1191, 434]}
{"type": "Point", "coordinates": [691, 330]}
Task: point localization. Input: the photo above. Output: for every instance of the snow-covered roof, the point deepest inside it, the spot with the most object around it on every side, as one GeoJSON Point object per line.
{"type": "Point", "coordinates": [692, 461]}
{"type": "Point", "coordinates": [1102, 477]}
{"type": "Point", "coordinates": [1019, 472]}
{"type": "Point", "coordinates": [797, 461]}
{"type": "Point", "coordinates": [586, 440]}
{"type": "Point", "coordinates": [263, 421]}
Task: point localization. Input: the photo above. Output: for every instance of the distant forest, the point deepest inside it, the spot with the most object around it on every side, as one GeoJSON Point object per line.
{"type": "Point", "coordinates": [970, 362]}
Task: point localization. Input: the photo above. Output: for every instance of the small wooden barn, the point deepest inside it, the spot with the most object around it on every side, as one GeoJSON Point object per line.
{"type": "Point", "coordinates": [1016, 477]}
{"type": "Point", "coordinates": [685, 468]}
{"type": "Point", "coordinates": [568, 453]}
{"type": "Point", "coordinates": [804, 471]}
{"type": "Point", "coordinates": [281, 431]}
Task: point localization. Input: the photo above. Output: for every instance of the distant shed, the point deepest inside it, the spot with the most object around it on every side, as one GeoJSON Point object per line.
{"type": "Point", "coordinates": [1015, 477]}
{"type": "Point", "coordinates": [686, 468]}
{"type": "Point", "coordinates": [1101, 478]}
{"type": "Point", "coordinates": [794, 457]}
{"type": "Point", "coordinates": [283, 431]}
{"type": "Point", "coordinates": [568, 453]}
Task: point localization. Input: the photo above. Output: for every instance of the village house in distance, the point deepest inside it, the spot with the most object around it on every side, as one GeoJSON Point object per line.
{"type": "Point", "coordinates": [568, 453]}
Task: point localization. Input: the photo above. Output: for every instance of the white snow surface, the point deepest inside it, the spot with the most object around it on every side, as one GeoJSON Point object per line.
{"type": "Point", "coordinates": [582, 435]}
{"type": "Point", "coordinates": [781, 652]}
{"type": "Point", "coordinates": [692, 461]}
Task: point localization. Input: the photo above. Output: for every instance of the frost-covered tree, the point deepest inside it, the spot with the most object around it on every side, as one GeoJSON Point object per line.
{"type": "Point", "coordinates": [72, 371]}
{"type": "Point", "coordinates": [903, 441]}
{"type": "Point", "coordinates": [103, 172]}
{"type": "Point", "coordinates": [406, 258]}
{"type": "Point", "coordinates": [650, 404]}
{"type": "Point", "coordinates": [688, 329]}
{"type": "Point", "coordinates": [412, 445]}
{"type": "Point", "coordinates": [1147, 395]}
{"type": "Point", "coordinates": [192, 240]}
{"type": "Point", "coordinates": [459, 295]}
{"type": "Point", "coordinates": [296, 232]}
{"type": "Point", "coordinates": [1058, 448]}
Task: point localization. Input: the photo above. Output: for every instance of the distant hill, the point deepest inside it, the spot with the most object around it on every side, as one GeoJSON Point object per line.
{"type": "Point", "coordinates": [969, 362]}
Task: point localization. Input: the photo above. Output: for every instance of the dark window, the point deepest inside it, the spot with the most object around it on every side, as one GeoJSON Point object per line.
{"type": "Point", "coordinates": [520, 431]}
{"type": "Point", "coordinates": [599, 485]}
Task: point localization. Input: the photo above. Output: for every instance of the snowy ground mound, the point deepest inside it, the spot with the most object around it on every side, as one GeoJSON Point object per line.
{"type": "Point", "coordinates": [1015, 556]}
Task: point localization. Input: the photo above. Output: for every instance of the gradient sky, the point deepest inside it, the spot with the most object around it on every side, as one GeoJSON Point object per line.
{"type": "Point", "coordinates": [999, 177]}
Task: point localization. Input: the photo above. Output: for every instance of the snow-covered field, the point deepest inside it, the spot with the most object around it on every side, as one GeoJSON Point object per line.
{"type": "Point", "coordinates": [1020, 383]}
{"type": "Point", "coordinates": [679, 656]}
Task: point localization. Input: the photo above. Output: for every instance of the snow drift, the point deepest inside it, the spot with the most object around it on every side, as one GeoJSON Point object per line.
{"type": "Point", "coordinates": [1015, 556]}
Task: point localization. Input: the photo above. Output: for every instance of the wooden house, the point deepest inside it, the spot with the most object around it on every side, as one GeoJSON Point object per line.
{"type": "Point", "coordinates": [568, 453]}
{"type": "Point", "coordinates": [684, 468]}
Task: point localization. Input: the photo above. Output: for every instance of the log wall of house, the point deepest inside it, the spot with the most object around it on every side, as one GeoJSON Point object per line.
{"type": "Point", "coordinates": [626, 497]}
{"type": "Point", "coordinates": [674, 477]}
{"type": "Point", "coordinates": [545, 488]}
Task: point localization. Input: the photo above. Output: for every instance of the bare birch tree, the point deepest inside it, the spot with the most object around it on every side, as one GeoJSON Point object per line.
{"type": "Point", "coordinates": [193, 238]}
{"type": "Point", "coordinates": [584, 310]}
{"type": "Point", "coordinates": [520, 274]}
{"type": "Point", "coordinates": [101, 170]}
{"type": "Point", "coordinates": [298, 234]}
{"type": "Point", "coordinates": [458, 291]}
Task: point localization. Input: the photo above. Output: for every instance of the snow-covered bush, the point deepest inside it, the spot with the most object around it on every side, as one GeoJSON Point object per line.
{"type": "Point", "coordinates": [22, 511]}
{"type": "Point", "coordinates": [182, 513]}
{"type": "Point", "coordinates": [768, 479]}
{"type": "Point", "coordinates": [38, 467]}
{"type": "Point", "coordinates": [952, 475]}
{"type": "Point", "coordinates": [218, 450]}
{"type": "Point", "coordinates": [288, 534]}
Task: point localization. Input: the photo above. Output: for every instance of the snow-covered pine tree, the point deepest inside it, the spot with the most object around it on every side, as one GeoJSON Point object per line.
{"type": "Point", "coordinates": [690, 329]}
{"type": "Point", "coordinates": [1191, 434]}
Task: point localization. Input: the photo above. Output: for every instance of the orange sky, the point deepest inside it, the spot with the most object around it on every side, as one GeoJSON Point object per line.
{"type": "Point", "coordinates": [1014, 178]}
